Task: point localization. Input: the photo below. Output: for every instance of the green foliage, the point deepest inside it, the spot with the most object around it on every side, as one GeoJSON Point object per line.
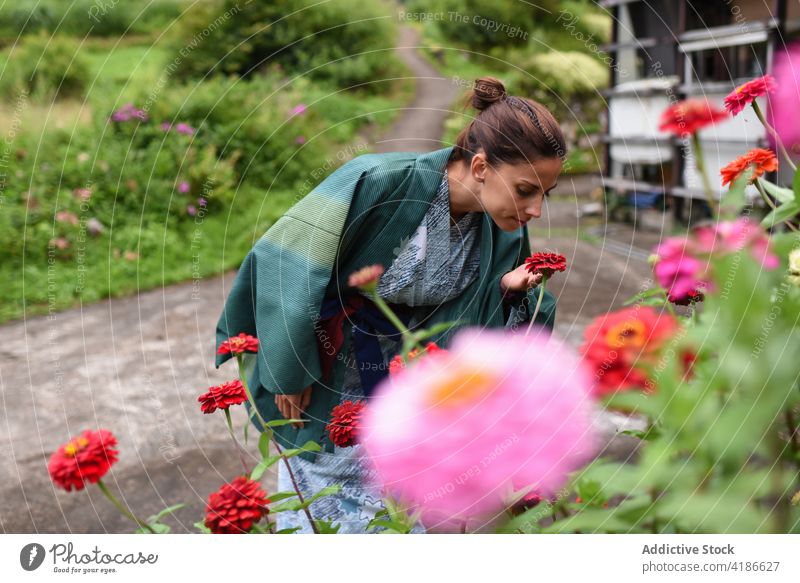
{"type": "Point", "coordinates": [716, 457]}
{"type": "Point", "coordinates": [320, 40]}
{"type": "Point", "coordinates": [85, 17]}
{"type": "Point", "coordinates": [45, 67]}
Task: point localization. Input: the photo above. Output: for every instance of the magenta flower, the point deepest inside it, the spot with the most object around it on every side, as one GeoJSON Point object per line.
{"type": "Point", "coordinates": [183, 187]}
{"type": "Point", "coordinates": [453, 435]}
{"type": "Point", "coordinates": [191, 210]}
{"type": "Point", "coordinates": [202, 201]}
{"type": "Point", "coordinates": [300, 140]}
{"type": "Point", "coordinates": [185, 129]}
{"type": "Point", "coordinates": [682, 263]}
{"type": "Point", "coordinates": [784, 102]}
{"type": "Point", "coordinates": [733, 236]}
{"type": "Point", "coordinates": [128, 112]}
{"type": "Point", "coordinates": [678, 271]}
{"type": "Point", "coordinates": [299, 109]}
{"type": "Point", "coordinates": [166, 126]}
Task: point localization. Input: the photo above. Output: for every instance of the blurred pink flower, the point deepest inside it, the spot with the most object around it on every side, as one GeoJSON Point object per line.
{"type": "Point", "coordinates": [453, 435]}
{"type": "Point", "coordinates": [784, 103]}
{"type": "Point", "coordinates": [166, 126]}
{"type": "Point", "coordinates": [128, 112]}
{"type": "Point", "coordinates": [183, 186]}
{"type": "Point", "coordinates": [185, 129]}
{"type": "Point", "coordinates": [300, 140]}
{"type": "Point", "coordinates": [733, 236]}
{"type": "Point", "coordinates": [67, 217]}
{"type": "Point", "coordinates": [682, 263]}
{"type": "Point", "coordinates": [299, 109]}
{"type": "Point", "coordinates": [191, 210]}
{"type": "Point", "coordinates": [678, 271]}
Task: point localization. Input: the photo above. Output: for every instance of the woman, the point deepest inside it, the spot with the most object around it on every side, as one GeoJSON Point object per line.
{"type": "Point", "coordinates": [448, 226]}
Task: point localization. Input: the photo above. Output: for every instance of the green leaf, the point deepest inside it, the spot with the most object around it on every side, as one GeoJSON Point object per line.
{"type": "Point", "coordinates": [327, 527]}
{"type": "Point", "coordinates": [782, 195]}
{"type": "Point", "coordinates": [163, 513]}
{"type": "Point", "coordinates": [289, 530]}
{"type": "Point", "coordinates": [262, 466]}
{"type": "Point", "coordinates": [280, 422]}
{"type": "Point", "coordinates": [202, 527]}
{"type": "Point", "coordinates": [309, 446]}
{"type": "Point", "coordinates": [782, 213]}
{"type": "Point", "coordinates": [263, 445]}
{"type": "Point", "coordinates": [281, 496]}
{"type": "Point", "coordinates": [436, 329]}
{"type": "Point", "coordinates": [156, 526]}
{"type": "Point", "coordinates": [734, 200]}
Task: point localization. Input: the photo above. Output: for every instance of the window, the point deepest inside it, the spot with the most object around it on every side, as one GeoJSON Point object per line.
{"type": "Point", "coordinates": [729, 63]}
{"type": "Point", "coordinates": [702, 14]}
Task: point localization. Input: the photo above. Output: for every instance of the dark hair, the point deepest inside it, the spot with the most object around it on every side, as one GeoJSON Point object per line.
{"type": "Point", "coordinates": [509, 129]}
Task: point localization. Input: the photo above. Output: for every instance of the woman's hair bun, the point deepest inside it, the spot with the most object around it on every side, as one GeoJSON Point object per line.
{"type": "Point", "coordinates": [487, 90]}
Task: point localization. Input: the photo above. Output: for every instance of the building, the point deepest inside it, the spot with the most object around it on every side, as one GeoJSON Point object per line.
{"type": "Point", "coordinates": [664, 51]}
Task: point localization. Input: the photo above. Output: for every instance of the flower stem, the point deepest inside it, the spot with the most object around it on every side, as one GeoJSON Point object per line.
{"type": "Point", "coordinates": [295, 486]}
{"type": "Point", "coordinates": [773, 131]}
{"type": "Point", "coordinates": [236, 443]}
{"type": "Point", "coordinates": [538, 304]}
{"type": "Point", "coordinates": [264, 427]}
{"type": "Point", "coordinates": [104, 489]}
{"type": "Point", "coordinates": [701, 167]}
{"type": "Point", "coordinates": [243, 378]}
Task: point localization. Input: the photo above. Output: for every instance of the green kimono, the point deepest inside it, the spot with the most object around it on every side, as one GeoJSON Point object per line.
{"type": "Point", "coordinates": [357, 216]}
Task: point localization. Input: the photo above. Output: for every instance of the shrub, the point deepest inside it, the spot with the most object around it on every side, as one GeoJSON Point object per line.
{"type": "Point", "coordinates": [46, 68]}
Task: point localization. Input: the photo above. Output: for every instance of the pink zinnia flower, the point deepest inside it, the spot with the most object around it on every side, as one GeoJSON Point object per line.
{"type": "Point", "coordinates": [455, 434]}
{"type": "Point", "coordinates": [367, 277]}
{"type": "Point", "coordinates": [785, 101]}
{"type": "Point", "coordinates": [682, 263]}
{"type": "Point", "coordinates": [732, 236]}
{"type": "Point", "coordinates": [745, 94]}
{"type": "Point", "coordinates": [678, 271]}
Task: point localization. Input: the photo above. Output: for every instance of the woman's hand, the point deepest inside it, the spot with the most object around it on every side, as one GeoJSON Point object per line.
{"type": "Point", "coordinates": [520, 279]}
{"type": "Point", "coordinates": [292, 406]}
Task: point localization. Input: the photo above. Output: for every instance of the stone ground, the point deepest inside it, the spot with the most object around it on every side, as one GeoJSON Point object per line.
{"type": "Point", "coordinates": [136, 365]}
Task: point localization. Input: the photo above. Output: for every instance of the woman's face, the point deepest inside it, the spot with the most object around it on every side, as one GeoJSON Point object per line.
{"type": "Point", "coordinates": [513, 194]}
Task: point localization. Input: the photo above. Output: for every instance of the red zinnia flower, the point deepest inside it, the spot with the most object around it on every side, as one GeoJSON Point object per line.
{"type": "Point", "coordinates": [763, 161]}
{"type": "Point", "coordinates": [546, 263]}
{"type": "Point", "coordinates": [366, 277]}
{"type": "Point", "coordinates": [397, 364]}
{"type": "Point", "coordinates": [86, 457]}
{"type": "Point", "coordinates": [689, 117]}
{"type": "Point", "coordinates": [344, 426]}
{"type": "Point", "coordinates": [222, 396]}
{"type": "Point", "coordinates": [236, 507]}
{"type": "Point", "coordinates": [239, 344]}
{"type": "Point", "coordinates": [744, 95]}
{"type": "Point", "coordinates": [617, 344]}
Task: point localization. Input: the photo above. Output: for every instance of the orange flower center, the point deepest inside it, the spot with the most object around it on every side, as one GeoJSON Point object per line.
{"type": "Point", "coordinates": [627, 334]}
{"type": "Point", "coordinates": [75, 446]}
{"type": "Point", "coordinates": [461, 387]}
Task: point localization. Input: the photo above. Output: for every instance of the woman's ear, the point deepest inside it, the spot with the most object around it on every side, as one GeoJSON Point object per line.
{"type": "Point", "coordinates": [479, 167]}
